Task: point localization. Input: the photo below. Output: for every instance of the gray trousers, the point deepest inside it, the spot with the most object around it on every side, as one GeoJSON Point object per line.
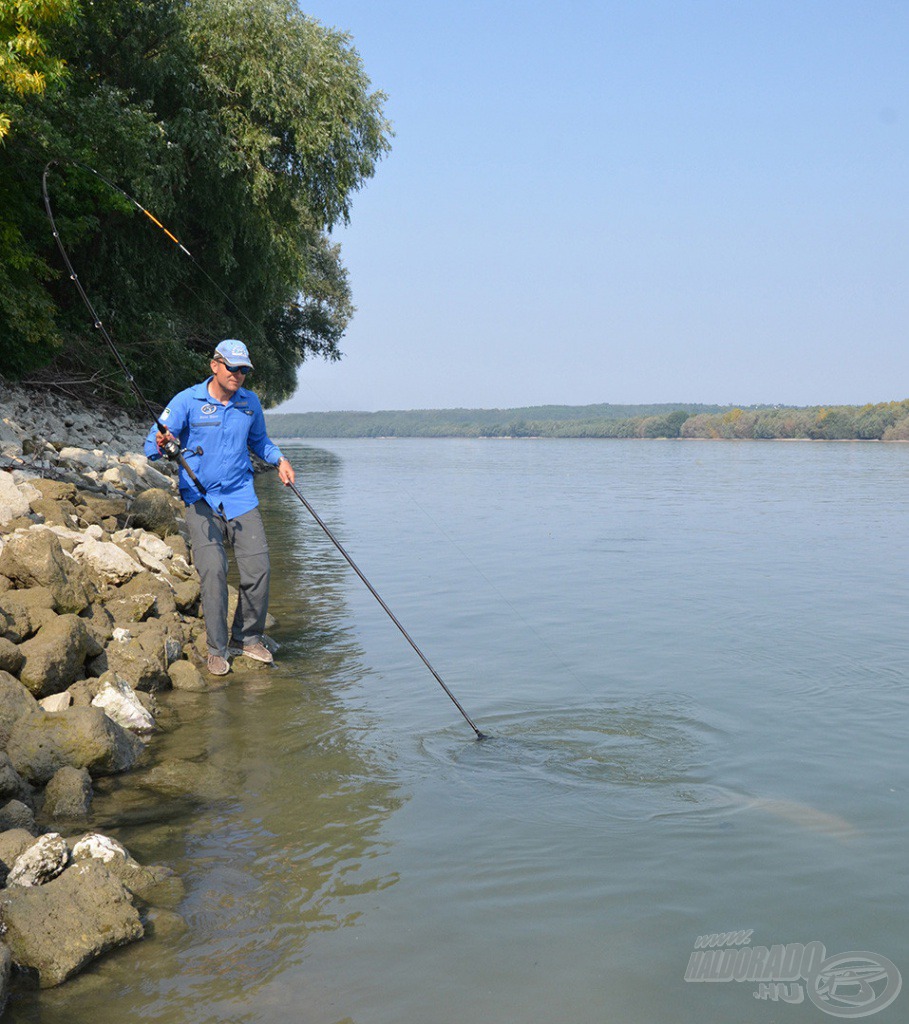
{"type": "Point", "coordinates": [210, 533]}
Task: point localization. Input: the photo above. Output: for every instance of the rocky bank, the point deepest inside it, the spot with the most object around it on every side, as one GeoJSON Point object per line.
{"type": "Point", "coordinates": [99, 618]}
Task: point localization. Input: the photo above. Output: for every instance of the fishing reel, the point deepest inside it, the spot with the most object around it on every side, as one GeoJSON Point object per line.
{"type": "Point", "coordinates": [170, 449]}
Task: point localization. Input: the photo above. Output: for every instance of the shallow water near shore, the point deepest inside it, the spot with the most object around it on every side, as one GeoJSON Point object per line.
{"type": "Point", "coordinates": [691, 662]}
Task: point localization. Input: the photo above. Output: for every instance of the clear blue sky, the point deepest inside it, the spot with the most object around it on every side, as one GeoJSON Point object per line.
{"type": "Point", "coordinates": [632, 201]}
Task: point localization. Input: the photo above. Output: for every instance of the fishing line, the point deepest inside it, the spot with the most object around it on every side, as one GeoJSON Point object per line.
{"type": "Point", "coordinates": [171, 448]}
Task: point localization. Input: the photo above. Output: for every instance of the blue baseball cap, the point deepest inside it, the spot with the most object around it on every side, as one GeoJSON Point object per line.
{"type": "Point", "coordinates": [234, 352]}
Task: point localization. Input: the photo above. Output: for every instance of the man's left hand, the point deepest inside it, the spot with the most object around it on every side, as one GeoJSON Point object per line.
{"type": "Point", "coordinates": [285, 472]}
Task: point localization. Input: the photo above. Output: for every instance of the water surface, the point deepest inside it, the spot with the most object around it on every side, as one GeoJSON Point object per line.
{"type": "Point", "coordinates": [690, 659]}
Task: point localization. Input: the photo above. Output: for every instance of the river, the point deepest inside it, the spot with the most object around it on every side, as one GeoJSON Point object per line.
{"type": "Point", "coordinates": [690, 659]}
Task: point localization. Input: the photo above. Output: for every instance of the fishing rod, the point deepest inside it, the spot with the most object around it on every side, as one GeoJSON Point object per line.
{"type": "Point", "coordinates": [171, 448]}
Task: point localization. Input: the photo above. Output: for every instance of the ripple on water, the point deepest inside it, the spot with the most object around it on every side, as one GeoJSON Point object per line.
{"type": "Point", "coordinates": [620, 759]}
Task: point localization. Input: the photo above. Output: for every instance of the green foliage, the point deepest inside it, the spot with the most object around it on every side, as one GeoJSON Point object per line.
{"type": "Point", "coordinates": [887, 421]}
{"type": "Point", "coordinates": [245, 129]}
{"type": "Point", "coordinates": [26, 66]}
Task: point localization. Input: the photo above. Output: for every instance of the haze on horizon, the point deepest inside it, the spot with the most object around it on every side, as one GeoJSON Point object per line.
{"type": "Point", "coordinates": [629, 203]}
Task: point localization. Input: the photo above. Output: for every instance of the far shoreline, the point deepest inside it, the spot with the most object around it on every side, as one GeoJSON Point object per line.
{"type": "Point", "coordinates": [541, 437]}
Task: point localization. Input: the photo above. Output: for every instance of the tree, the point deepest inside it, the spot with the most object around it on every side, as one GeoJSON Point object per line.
{"type": "Point", "coordinates": [25, 65]}
{"type": "Point", "coordinates": [246, 129]}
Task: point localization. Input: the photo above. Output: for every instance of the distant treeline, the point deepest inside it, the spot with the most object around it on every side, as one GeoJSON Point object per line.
{"type": "Point", "coordinates": [886, 421]}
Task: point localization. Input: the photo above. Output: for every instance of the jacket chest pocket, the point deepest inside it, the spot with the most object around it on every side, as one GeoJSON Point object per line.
{"type": "Point", "coordinates": [205, 423]}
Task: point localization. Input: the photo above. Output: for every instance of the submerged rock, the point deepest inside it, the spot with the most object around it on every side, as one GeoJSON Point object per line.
{"type": "Point", "coordinates": [176, 777]}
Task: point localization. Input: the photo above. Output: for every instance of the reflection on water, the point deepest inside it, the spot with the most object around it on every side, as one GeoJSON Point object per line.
{"type": "Point", "coordinates": [271, 814]}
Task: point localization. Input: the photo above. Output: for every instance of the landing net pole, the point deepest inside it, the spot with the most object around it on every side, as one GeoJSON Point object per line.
{"type": "Point", "coordinates": [388, 611]}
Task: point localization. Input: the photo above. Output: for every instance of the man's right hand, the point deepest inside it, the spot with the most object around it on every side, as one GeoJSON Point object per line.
{"type": "Point", "coordinates": [163, 438]}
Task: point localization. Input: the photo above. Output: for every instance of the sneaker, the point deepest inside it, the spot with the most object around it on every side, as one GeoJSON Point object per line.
{"type": "Point", "coordinates": [217, 665]}
{"type": "Point", "coordinates": [252, 649]}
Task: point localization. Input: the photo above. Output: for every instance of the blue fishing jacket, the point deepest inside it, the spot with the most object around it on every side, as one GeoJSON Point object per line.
{"type": "Point", "coordinates": [225, 433]}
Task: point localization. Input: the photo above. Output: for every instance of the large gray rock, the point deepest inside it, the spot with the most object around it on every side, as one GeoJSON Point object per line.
{"type": "Point", "coordinates": [149, 883]}
{"type": "Point", "coordinates": [25, 612]}
{"type": "Point", "coordinates": [150, 584]}
{"type": "Point", "coordinates": [135, 608]}
{"type": "Point", "coordinates": [81, 457]}
{"type": "Point", "coordinates": [118, 701]}
{"type": "Point", "coordinates": [15, 701]}
{"type": "Point", "coordinates": [13, 843]}
{"type": "Point", "coordinates": [58, 928]}
{"type": "Point", "coordinates": [121, 478]}
{"type": "Point", "coordinates": [111, 563]}
{"type": "Point", "coordinates": [41, 744]}
{"type": "Point", "coordinates": [16, 814]}
{"type": "Point", "coordinates": [148, 476]}
{"type": "Point", "coordinates": [56, 490]}
{"type": "Point", "coordinates": [141, 661]}
{"type": "Point", "coordinates": [13, 502]}
{"type": "Point", "coordinates": [6, 966]}
{"type": "Point", "coordinates": [55, 656]}
{"type": "Point", "coordinates": [153, 510]}
{"type": "Point", "coordinates": [12, 785]}
{"type": "Point", "coordinates": [187, 594]}
{"type": "Point", "coordinates": [68, 795]}
{"type": "Point", "coordinates": [99, 622]}
{"type": "Point", "coordinates": [35, 558]}
{"type": "Point", "coordinates": [55, 513]}
{"type": "Point", "coordinates": [104, 508]}
{"type": "Point", "coordinates": [185, 676]}
{"type": "Point", "coordinates": [41, 862]}
{"type": "Point", "coordinates": [11, 658]}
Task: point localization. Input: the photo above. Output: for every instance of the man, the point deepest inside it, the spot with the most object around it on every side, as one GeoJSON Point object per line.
{"type": "Point", "coordinates": [224, 420]}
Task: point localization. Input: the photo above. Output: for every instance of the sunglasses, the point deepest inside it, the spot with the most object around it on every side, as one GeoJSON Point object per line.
{"type": "Point", "coordinates": [235, 369]}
